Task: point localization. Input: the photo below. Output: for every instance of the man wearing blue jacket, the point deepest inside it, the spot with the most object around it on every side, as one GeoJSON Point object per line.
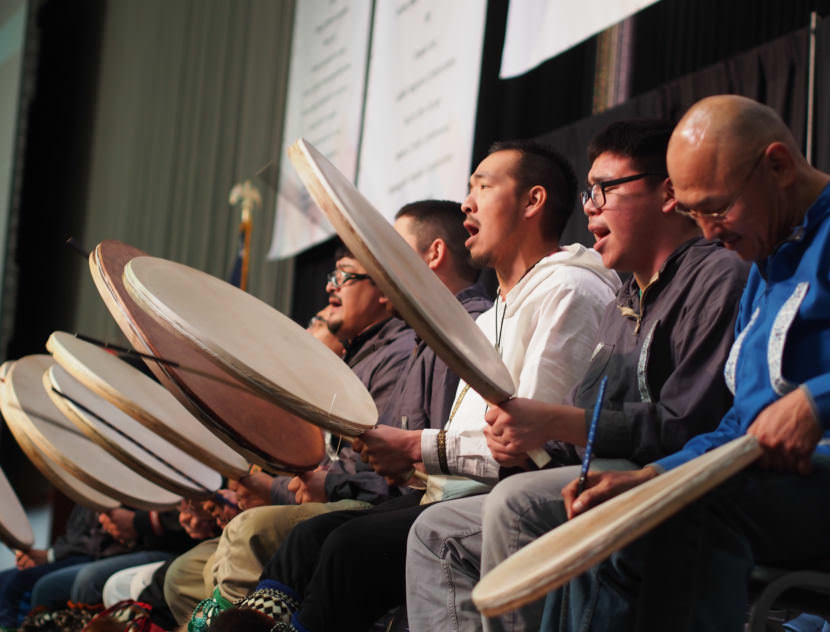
{"type": "Point", "coordinates": [737, 171]}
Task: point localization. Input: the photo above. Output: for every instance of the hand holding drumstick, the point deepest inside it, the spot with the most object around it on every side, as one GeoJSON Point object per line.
{"type": "Point", "coordinates": [392, 452]}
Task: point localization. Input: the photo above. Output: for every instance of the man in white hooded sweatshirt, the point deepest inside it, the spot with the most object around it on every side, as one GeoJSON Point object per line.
{"type": "Point", "coordinates": [662, 345]}
{"type": "Point", "coordinates": [346, 569]}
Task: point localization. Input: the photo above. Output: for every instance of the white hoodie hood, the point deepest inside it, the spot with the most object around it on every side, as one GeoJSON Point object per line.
{"type": "Point", "coordinates": [572, 255]}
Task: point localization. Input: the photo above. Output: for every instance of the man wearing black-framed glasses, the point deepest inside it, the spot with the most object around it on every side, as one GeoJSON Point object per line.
{"type": "Point", "coordinates": [692, 572]}
{"type": "Point", "coordinates": [596, 191]}
{"type": "Point", "coordinates": [359, 317]}
{"type": "Point", "coordinates": [339, 278]}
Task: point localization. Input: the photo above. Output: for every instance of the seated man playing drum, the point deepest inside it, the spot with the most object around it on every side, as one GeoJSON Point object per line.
{"type": "Point", "coordinates": [378, 347]}
{"type": "Point", "coordinates": [421, 398]}
{"type": "Point", "coordinates": [662, 343]}
{"type": "Point", "coordinates": [543, 323]}
{"type": "Point", "coordinates": [738, 172]}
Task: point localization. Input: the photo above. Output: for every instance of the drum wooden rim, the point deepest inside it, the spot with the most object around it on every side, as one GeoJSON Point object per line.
{"type": "Point", "coordinates": [16, 536]}
{"type": "Point", "coordinates": [155, 469]}
{"type": "Point", "coordinates": [297, 400]}
{"type": "Point", "coordinates": [106, 264]}
{"type": "Point", "coordinates": [579, 544]}
{"type": "Point", "coordinates": [73, 488]}
{"type": "Point", "coordinates": [379, 248]}
{"type": "Point", "coordinates": [147, 402]}
{"type": "Point", "coordinates": [28, 435]}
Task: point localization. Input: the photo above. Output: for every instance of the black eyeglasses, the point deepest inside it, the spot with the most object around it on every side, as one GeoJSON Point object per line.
{"type": "Point", "coordinates": [339, 278]}
{"type": "Point", "coordinates": [596, 192]}
{"type": "Point", "coordinates": [720, 214]}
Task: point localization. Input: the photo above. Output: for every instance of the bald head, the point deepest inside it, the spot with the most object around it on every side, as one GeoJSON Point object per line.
{"type": "Point", "coordinates": [736, 167]}
{"type": "Point", "coordinates": [727, 131]}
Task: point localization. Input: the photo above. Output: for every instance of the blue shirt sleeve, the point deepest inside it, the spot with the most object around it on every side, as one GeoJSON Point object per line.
{"type": "Point", "coordinates": [728, 429]}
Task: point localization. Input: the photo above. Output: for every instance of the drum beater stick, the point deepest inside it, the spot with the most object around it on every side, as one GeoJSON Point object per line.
{"type": "Point", "coordinates": [147, 356]}
{"type": "Point", "coordinates": [214, 495]}
{"type": "Point", "coordinates": [592, 432]}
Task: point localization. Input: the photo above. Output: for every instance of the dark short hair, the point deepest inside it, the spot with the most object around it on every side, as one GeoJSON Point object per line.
{"type": "Point", "coordinates": [643, 141]}
{"type": "Point", "coordinates": [441, 219]}
{"type": "Point", "coordinates": [542, 165]}
{"type": "Point", "coordinates": [342, 250]}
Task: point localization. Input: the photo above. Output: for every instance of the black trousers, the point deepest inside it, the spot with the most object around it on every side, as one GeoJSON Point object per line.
{"type": "Point", "coordinates": [347, 567]}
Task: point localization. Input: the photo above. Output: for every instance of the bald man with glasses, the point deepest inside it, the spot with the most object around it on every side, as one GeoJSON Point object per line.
{"type": "Point", "coordinates": [739, 173]}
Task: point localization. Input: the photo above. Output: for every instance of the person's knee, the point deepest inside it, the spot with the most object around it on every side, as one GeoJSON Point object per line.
{"type": "Point", "coordinates": [172, 578]}
{"type": "Point", "coordinates": [500, 502]}
{"type": "Point", "coordinates": [85, 576]}
{"type": "Point", "coordinates": [424, 536]}
{"type": "Point", "coordinates": [344, 543]}
{"type": "Point", "coordinates": [262, 529]}
{"type": "Point", "coordinates": [86, 588]}
{"type": "Point", "coordinates": [523, 495]}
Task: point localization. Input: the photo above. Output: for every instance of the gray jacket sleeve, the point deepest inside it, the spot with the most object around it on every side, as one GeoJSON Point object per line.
{"type": "Point", "coordinates": [279, 491]}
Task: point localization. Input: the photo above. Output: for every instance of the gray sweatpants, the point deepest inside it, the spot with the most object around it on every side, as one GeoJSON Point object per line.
{"type": "Point", "coordinates": [452, 543]}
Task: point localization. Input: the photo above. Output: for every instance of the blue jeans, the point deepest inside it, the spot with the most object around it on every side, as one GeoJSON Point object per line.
{"type": "Point", "coordinates": [691, 573]}
{"type": "Point", "coordinates": [807, 623]}
{"type": "Point", "coordinates": [84, 583]}
{"type": "Point", "coordinates": [15, 586]}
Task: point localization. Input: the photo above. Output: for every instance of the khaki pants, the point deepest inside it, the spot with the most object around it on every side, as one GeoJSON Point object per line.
{"type": "Point", "coordinates": [234, 561]}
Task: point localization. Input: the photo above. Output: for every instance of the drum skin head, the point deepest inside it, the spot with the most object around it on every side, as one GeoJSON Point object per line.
{"type": "Point", "coordinates": [60, 477]}
{"type": "Point", "coordinates": [127, 440]}
{"type": "Point", "coordinates": [34, 419]}
{"type": "Point", "coordinates": [142, 399]}
{"type": "Point", "coordinates": [586, 540]}
{"type": "Point", "coordinates": [15, 529]}
{"type": "Point", "coordinates": [255, 343]}
{"type": "Point", "coordinates": [255, 427]}
{"type": "Point", "coordinates": [416, 292]}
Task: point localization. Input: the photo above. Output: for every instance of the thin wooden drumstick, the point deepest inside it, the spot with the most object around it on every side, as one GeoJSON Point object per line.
{"type": "Point", "coordinates": [147, 356]}
{"type": "Point", "coordinates": [141, 446]}
{"type": "Point", "coordinates": [108, 345]}
{"type": "Point", "coordinates": [76, 246]}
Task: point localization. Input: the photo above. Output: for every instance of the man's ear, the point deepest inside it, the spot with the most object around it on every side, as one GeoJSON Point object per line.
{"type": "Point", "coordinates": [435, 253]}
{"type": "Point", "coordinates": [668, 196]}
{"type": "Point", "coordinates": [537, 196]}
{"type": "Point", "coordinates": [781, 163]}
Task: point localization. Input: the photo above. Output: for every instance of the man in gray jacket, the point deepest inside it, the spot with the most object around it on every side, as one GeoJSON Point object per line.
{"type": "Point", "coordinates": [419, 398]}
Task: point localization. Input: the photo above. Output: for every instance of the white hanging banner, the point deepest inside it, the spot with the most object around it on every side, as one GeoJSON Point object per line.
{"type": "Point", "coordinates": [324, 102]}
{"type": "Point", "coordinates": [421, 101]}
{"type": "Point", "coordinates": [540, 29]}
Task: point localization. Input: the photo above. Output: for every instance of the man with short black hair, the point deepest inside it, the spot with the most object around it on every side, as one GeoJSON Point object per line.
{"type": "Point", "coordinates": [346, 569]}
{"type": "Point", "coordinates": [420, 398]}
{"type": "Point", "coordinates": [662, 344]}
{"type": "Point", "coordinates": [377, 348]}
